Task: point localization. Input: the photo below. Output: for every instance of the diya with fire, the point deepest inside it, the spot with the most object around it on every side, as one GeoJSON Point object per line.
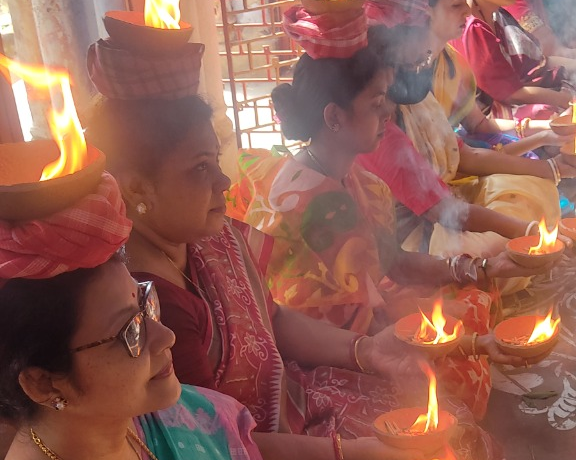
{"type": "Point", "coordinates": [527, 336]}
{"type": "Point", "coordinates": [41, 177]}
{"type": "Point", "coordinates": [533, 251]}
{"type": "Point", "coordinates": [436, 334]}
{"type": "Point", "coordinates": [427, 430]}
{"type": "Point", "coordinates": [158, 29]}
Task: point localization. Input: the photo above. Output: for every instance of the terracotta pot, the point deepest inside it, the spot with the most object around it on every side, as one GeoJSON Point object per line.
{"type": "Point", "coordinates": [128, 31]}
{"type": "Point", "coordinates": [563, 126]}
{"type": "Point", "coordinates": [27, 198]}
{"type": "Point", "coordinates": [518, 251]}
{"type": "Point", "coordinates": [518, 327]}
{"type": "Point", "coordinates": [428, 443]}
{"type": "Point", "coordinates": [405, 328]}
{"type": "Point", "coordinates": [316, 7]}
{"type": "Point", "coordinates": [567, 227]}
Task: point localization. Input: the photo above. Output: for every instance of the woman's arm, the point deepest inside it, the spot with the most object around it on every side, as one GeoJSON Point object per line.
{"type": "Point", "coordinates": [483, 162]}
{"type": "Point", "coordinates": [459, 215]}
{"type": "Point", "coordinates": [537, 95]}
{"type": "Point", "coordinates": [282, 446]}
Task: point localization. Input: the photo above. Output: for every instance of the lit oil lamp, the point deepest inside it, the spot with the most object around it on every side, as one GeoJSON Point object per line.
{"type": "Point", "coordinates": [417, 428]}
{"type": "Point", "coordinates": [41, 177]}
{"type": "Point", "coordinates": [156, 30]}
{"type": "Point", "coordinates": [534, 251]}
{"type": "Point", "coordinates": [527, 336]}
{"type": "Point", "coordinates": [437, 334]}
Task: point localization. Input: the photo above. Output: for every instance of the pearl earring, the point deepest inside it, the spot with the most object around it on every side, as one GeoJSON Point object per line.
{"type": "Point", "coordinates": [59, 403]}
{"type": "Point", "coordinates": [141, 208]}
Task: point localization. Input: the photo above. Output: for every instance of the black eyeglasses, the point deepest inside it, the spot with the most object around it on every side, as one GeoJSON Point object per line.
{"type": "Point", "coordinates": [133, 333]}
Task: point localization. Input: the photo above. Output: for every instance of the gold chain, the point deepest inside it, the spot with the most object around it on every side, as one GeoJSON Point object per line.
{"type": "Point", "coordinates": [142, 444]}
{"type": "Point", "coordinates": [178, 268]}
{"type": "Point", "coordinates": [51, 455]}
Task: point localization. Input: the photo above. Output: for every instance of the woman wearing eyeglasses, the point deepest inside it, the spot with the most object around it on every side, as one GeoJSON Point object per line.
{"type": "Point", "coordinates": [86, 365]}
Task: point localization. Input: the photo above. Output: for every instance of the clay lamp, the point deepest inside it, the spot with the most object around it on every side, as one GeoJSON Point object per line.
{"type": "Point", "coordinates": [156, 30]}
{"type": "Point", "coordinates": [417, 428]}
{"type": "Point", "coordinates": [535, 251]}
{"type": "Point", "coordinates": [317, 7]}
{"type": "Point", "coordinates": [567, 227]}
{"type": "Point", "coordinates": [41, 177]}
{"type": "Point", "coordinates": [436, 334]}
{"type": "Point", "coordinates": [527, 336]}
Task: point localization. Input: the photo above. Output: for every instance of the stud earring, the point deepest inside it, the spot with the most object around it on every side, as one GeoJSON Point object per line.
{"type": "Point", "coordinates": [141, 208]}
{"type": "Point", "coordinates": [335, 127]}
{"type": "Point", "coordinates": [59, 403]}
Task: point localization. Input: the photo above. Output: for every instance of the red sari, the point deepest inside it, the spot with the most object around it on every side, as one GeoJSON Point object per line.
{"type": "Point", "coordinates": [226, 342]}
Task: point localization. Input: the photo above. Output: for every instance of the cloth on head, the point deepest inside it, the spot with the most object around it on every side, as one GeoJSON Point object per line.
{"type": "Point", "coordinates": [393, 13]}
{"type": "Point", "coordinates": [121, 74]}
{"type": "Point", "coordinates": [327, 35]}
{"type": "Point", "coordinates": [82, 236]}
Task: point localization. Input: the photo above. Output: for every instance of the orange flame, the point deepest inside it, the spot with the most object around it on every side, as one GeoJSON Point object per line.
{"type": "Point", "coordinates": [436, 326]}
{"type": "Point", "coordinates": [544, 329]}
{"type": "Point", "coordinates": [429, 421]}
{"type": "Point", "coordinates": [162, 14]}
{"type": "Point", "coordinates": [64, 124]}
{"type": "Point", "coordinates": [547, 239]}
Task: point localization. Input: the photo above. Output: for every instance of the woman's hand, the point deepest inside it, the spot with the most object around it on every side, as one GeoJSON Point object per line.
{"type": "Point", "coordinates": [549, 137]}
{"type": "Point", "coordinates": [502, 266]}
{"type": "Point", "coordinates": [374, 449]}
{"type": "Point", "coordinates": [486, 345]}
{"type": "Point", "coordinates": [385, 355]}
{"type": "Point", "coordinates": [566, 165]}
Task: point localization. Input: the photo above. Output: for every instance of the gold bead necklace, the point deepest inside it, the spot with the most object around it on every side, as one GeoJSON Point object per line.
{"type": "Point", "coordinates": [53, 456]}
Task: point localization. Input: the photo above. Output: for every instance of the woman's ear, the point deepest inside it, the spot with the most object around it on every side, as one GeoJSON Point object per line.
{"type": "Point", "coordinates": [38, 385]}
{"type": "Point", "coordinates": [136, 191]}
{"type": "Point", "coordinates": [333, 117]}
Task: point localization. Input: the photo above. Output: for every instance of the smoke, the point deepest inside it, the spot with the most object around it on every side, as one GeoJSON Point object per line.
{"type": "Point", "coordinates": [561, 14]}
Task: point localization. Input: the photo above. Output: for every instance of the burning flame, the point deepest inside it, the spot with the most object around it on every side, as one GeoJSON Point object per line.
{"type": "Point", "coordinates": [162, 14]}
{"type": "Point", "coordinates": [429, 421]}
{"type": "Point", "coordinates": [64, 124]}
{"type": "Point", "coordinates": [544, 329]}
{"type": "Point", "coordinates": [436, 326]}
{"type": "Point", "coordinates": [547, 239]}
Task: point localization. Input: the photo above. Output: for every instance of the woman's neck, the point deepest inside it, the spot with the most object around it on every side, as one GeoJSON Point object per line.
{"type": "Point", "coordinates": [332, 161]}
{"type": "Point", "coordinates": [76, 439]}
{"type": "Point", "coordinates": [436, 45]}
{"type": "Point", "coordinates": [149, 252]}
{"type": "Point", "coordinates": [484, 11]}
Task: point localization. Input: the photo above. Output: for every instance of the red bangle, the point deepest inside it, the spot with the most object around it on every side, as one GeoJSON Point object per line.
{"type": "Point", "coordinates": [337, 442]}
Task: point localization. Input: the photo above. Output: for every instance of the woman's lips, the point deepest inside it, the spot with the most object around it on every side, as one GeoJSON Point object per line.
{"type": "Point", "coordinates": [166, 371]}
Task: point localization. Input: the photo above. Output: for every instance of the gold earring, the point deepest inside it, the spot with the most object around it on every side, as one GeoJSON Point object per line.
{"type": "Point", "coordinates": [141, 208]}
{"type": "Point", "coordinates": [59, 403]}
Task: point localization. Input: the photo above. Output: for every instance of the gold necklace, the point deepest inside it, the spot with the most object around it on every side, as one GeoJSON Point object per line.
{"type": "Point", "coordinates": [196, 286]}
{"type": "Point", "coordinates": [53, 456]}
{"type": "Point", "coordinates": [316, 161]}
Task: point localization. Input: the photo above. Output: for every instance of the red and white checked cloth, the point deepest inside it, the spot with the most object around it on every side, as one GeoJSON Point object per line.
{"type": "Point", "coordinates": [82, 236]}
{"type": "Point", "coordinates": [121, 74]}
{"type": "Point", "coordinates": [327, 35]}
{"type": "Point", "coordinates": [396, 12]}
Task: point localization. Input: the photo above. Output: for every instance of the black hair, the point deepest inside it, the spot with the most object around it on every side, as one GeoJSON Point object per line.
{"type": "Point", "coordinates": [41, 315]}
{"type": "Point", "coordinates": [432, 3]}
{"type": "Point", "coordinates": [140, 134]}
{"type": "Point", "coordinates": [319, 82]}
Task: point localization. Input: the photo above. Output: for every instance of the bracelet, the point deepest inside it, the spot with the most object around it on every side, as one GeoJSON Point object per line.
{"type": "Point", "coordinates": [518, 127]}
{"type": "Point", "coordinates": [354, 354]}
{"type": "Point", "coordinates": [484, 267]}
{"type": "Point", "coordinates": [530, 226]}
{"type": "Point", "coordinates": [474, 355]}
{"type": "Point", "coordinates": [555, 170]}
{"type": "Point", "coordinates": [524, 126]}
{"type": "Point", "coordinates": [337, 442]}
{"type": "Point", "coordinates": [463, 269]}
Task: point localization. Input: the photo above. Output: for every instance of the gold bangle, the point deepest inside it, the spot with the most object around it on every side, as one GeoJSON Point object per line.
{"type": "Point", "coordinates": [337, 442]}
{"type": "Point", "coordinates": [357, 361]}
{"type": "Point", "coordinates": [475, 357]}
